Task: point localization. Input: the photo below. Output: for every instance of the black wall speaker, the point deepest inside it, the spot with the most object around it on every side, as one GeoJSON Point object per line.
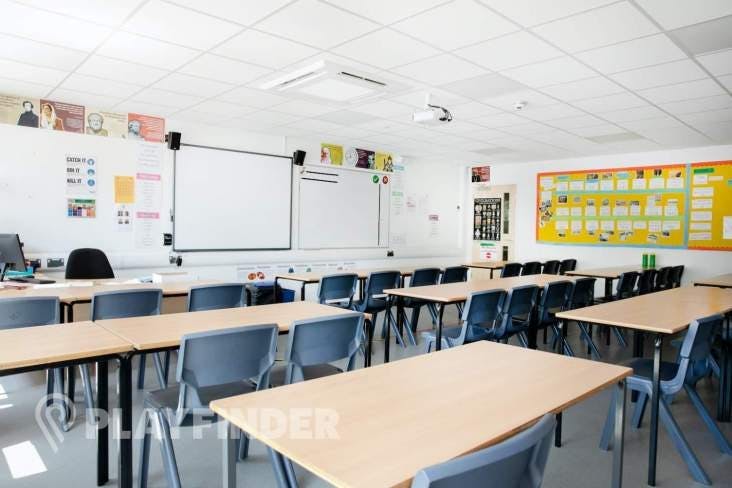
{"type": "Point", "coordinates": [173, 139]}
{"type": "Point", "coordinates": [298, 158]}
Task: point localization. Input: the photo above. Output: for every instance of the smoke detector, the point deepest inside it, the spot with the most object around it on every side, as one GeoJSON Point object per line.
{"type": "Point", "coordinates": [520, 105]}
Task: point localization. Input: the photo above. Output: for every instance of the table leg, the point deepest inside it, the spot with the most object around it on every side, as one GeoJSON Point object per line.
{"type": "Point", "coordinates": [361, 285]}
{"type": "Point", "coordinates": [230, 455]}
{"type": "Point", "coordinates": [608, 288]}
{"type": "Point", "coordinates": [274, 290]}
{"type": "Point", "coordinates": [619, 442]}
{"type": "Point", "coordinates": [103, 423]}
{"type": "Point", "coordinates": [124, 426]}
{"type": "Point", "coordinates": [491, 273]}
{"type": "Point", "coordinates": [370, 326]}
{"type": "Point", "coordinates": [558, 428]}
{"type": "Point", "coordinates": [302, 291]}
{"type": "Point", "coordinates": [438, 336]}
{"type": "Point", "coordinates": [637, 344]}
{"type": "Point", "coordinates": [532, 333]}
{"type": "Point", "coordinates": [387, 330]}
{"type": "Point", "coordinates": [724, 400]}
{"type": "Point", "coordinates": [653, 445]}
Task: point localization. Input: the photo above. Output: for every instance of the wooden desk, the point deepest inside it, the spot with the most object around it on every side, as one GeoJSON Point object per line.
{"type": "Point", "coordinates": [397, 438]}
{"type": "Point", "coordinates": [664, 313]}
{"type": "Point", "coordinates": [721, 281]}
{"type": "Point", "coordinates": [55, 346]}
{"type": "Point", "coordinates": [491, 265]}
{"type": "Point", "coordinates": [608, 274]}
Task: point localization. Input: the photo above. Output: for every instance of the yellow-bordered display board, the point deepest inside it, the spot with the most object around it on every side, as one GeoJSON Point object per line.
{"type": "Point", "coordinates": [710, 216]}
{"type": "Point", "coordinates": [636, 206]}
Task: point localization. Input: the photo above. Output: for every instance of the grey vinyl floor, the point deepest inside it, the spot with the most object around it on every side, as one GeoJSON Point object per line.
{"type": "Point", "coordinates": [579, 463]}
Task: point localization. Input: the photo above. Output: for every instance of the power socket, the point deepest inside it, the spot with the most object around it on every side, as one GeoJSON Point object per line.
{"type": "Point", "coordinates": [389, 254]}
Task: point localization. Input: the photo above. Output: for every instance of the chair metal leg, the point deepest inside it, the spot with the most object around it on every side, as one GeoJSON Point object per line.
{"type": "Point", "coordinates": [692, 463]}
{"type": "Point", "coordinates": [587, 335]}
{"type": "Point", "coordinates": [243, 450]}
{"type": "Point", "coordinates": [620, 337]}
{"type": "Point", "coordinates": [290, 472]}
{"type": "Point", "coordinates": [606, 438]}
{"type": "Point", "coordinates": [409, 328]}
{"type": "Point", "coordinates": [414, 323]}
{"type": "Point", "coordinates": [159, 370]}
{"type": "Point", "coordinates": [50, 379]}
{"type": "Point", "coordinates": [639, 410]}
{"type": "Point", "coordinates": [433, 313]}
{"type": "Point", "coordinates": [144, 451]}
{"type": "Point", "coordinates": [166, 450]}
{"type": "Point", "coordinates": [88, 393]}
{"type": "Point", "coordinates": [523, 340]}
{"type": "Point", "coordinates": [619, 440]}
{"type": "Point", "coordinates": [279, 468]}
{"type": "Point", "coordinates": [722, 442]}
{"type": "Point", "coordinates": [655, 401]}
{"type": "Point", "coordinates": [395, 331]}
{"type": "Point", "coordinates": [460, 309]}
{"type": "Point", "coordinates": [141, 373]}
{"type": "Point", "coordinates": [230, 456]}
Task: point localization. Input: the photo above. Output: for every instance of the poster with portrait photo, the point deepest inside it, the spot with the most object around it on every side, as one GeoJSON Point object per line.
{"type": "Point", "coordinates": [19, 111]}
{"type": "Point", "coordinates": [366, 159]}
{"type": "Point", "coordinates": [61, 116]}
{"type": "Point", "coordinates": [105, 124]}
{"type": "Point", "coordinates": [145, 128]}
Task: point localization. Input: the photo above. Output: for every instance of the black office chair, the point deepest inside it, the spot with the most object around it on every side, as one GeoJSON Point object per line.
{"type": "Point", "coordinates": [647, 281]}
{"type": "Point", "coordinates": [551, 267]}
{"type": "Point", "coordinates": [531, 268]}
{"type": "Point", "coordinates": [662, 278]}
{"type": "Point", "coordinates": [567, 265]}
{"type": "Point", "coordinates": [510, 270]}
{"type": "Point", "coordinates": [88, 264]}
{"type": "Point", "coordinates": [675, 277]}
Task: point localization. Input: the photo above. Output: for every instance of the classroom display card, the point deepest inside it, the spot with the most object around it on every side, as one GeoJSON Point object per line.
{"type": "Point", "coordinates": [81, 175]}
{"type": "Point", "coordinates": [710, 220]}
{"type": "Point", "coordinates": [487, 219]}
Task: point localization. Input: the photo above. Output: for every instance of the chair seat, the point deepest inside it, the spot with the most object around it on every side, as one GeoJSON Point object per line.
{"type": "Point", "coordinates": [277, 375]}
{"type": "Point", "coordinates": [643, 369]}
{"type": "Point", "coordinates": [377, 305]}
{"type": "Point", "coordinates": [168, 398]}
{"type": "Point", "coordinates": [474, 334]}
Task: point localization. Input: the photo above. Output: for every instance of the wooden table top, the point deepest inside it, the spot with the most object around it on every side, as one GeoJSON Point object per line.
{"type": "Point", "coordinates": [48, 344]}
{"type": "Point", "coordinates": [315, 276]}
{"type": "Point", "coordinates": [612, 272]}
{"type": "Point", "coordinates": [665, 312]}
{"type": "Point", "coordinates": [457, 292]}
{"type": "Point", "coordinates": [487, 264]}
{"type": "Point", "coordinates": [68, 294]}
{"type": "Point", "coordinates": [724, 281]}
{"type": "Point", "coordinates": [161, 331]}
{"type": "Point", "coordinates": [499, 390]}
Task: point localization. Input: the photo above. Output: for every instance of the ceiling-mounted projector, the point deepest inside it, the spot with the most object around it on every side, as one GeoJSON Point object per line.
{"type": "Point", "coordinates": [432, 114]}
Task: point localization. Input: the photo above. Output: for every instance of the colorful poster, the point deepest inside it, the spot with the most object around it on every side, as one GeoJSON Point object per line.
{"type": "Point", "coordinates": [384, 162]}
{"type": "Point", "coordinates": [481, 174]}
{"type": "Point", "coordinates": [711, 201]}
{"type": "Point", "coordinates": [145, 128]}
{"type": "Point", "coordinates": [366, 159]}
{"type": "Point", "coordinates": [331, 154]}
{"type": "Point", "coordinates": [61, 116]}
{"type": "Point", "coordinates": [85, 208]}
{"type": "Point", "coordinates": [19, 111]}
{"type": "Point", "coordinates": [487, 219]}
{"type": "Point", "coordinates": [124, 189]}
{"type": "Point", "coordinates": [105, 124]}
{"type": "Point", "coordinates": [81, 175]}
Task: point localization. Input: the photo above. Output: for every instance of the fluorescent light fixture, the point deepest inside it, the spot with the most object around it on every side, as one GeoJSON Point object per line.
{"type": "Point", "coordinates": [23, 460]}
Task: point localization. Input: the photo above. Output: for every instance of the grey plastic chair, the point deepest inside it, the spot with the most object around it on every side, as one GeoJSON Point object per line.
{"type": "Point", "coordinates": [452, 274]}
{"type": "Point", "coordinates": [555, 298]}
{"type": "Point", "coordinates": [531, 268]}
{"type": "Point", "coordinates": [510, 270]}
{"type": "Point", "coordinates": [516, 316]}
{"type": "Point", "coordinates": [551, 267]}
{"type": "Point", "coordinates": [567, 265]}
{"type": "Point", "coordinates": [646, 281]}
{"type": "Point", "coordinates": [676, 376]}
{"type": "Point", "coordinates": [482, 310]}
{"type": "Point", "coordinates": [675, 276]}
{"type": "Point", "coordinates": [662, 278]}
{"type": "Point", "coordinates": [375, 302]}
{"type": "Point", "coordinates": [214, 297]}
{"type": "Point", "coordinates": [517, 462]}
{"type": "Point", "coordinates": [212, 365]}
{"type": "Point", "coordinates": [338, 290]}
{"type": "Point", "coordinates": [583, 295]}
{"type": "Point", "coordinates": [420, 277]}
{"type": "Point", "coordinates": [130, 303]}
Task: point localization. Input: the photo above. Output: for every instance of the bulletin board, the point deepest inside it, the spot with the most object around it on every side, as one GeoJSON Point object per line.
{"type": "Point", "coordinates": [710, 217]}
{"type": "Point", "coordinates": [635, 206]}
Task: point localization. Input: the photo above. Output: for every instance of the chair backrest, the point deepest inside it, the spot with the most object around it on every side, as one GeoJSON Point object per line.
{"type": "Point", "coordinates": [482, 309]}
{"type": "Point", "coordinates": [551, 267]}
{"type": "Point", "coordinates": [554, 298]}
{"type": "Point", "coordinates": [322, 340]}
{"type": "Point", "coordinates": [583, 293]}
{"type": "Point", "coordinates": [675, 276]}
{"type": "Point", "coordinates": [531, 268]}
{"type": "Point", "coordinates": [213, 297]}
{"type": "Point", "coordinates": [379, 281]}
{"type": "Point", "coordinates": [225, 356]}
{"type": "Point", "coordinates": [425, 277]}
{"type": "Point", "coordinates": [454, 274]}
{"type": "Point", "coordinates": [662, 278]}
{"type": "Point", "coordinates": [28, 312]}
{"type": "Point", "coordinates": [119, 304]}
{"type": "Point", "coordinates": [510, 270]}
{"type": "Point", "coordinates": [626, 284]}
{"type": "Point", "coordinates": [88, 264]}
{"type": "Point", "coordinates": [647, 281]}
{"type": "Point", "coordinates": [520, 301]}
{"type": "Point", "coordinates": [338, 287]}
{"type": "Point", "coordinates": [519, 462]}
{"type": "Point", "coordinates": [567, 265]}
{"type": "Point", "coordinates": [696, 346]}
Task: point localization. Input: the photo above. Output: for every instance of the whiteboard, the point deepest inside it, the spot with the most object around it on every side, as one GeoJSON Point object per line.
{"type": "Point", "coordinates": [341, 208]}
{"type": "Point", "coordinates": [227, 200]}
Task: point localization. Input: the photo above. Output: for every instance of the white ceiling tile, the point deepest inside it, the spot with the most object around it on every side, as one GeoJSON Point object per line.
{"type": "Point", "coordinates": [115, 69]}
{"type": "Point", "coordinates": [298, 22]}
{"type": "Point", "coordinates": [698, 104]}
{"type": "Point", "coordinates": [223, 109]}
{"type": "Point", "coordinates": [437, 97]}
{"type": "Point", "coordinates": [499, 120]}
{"type": "Point", "coordinates": [147, 108]}
{"type": "Point", "coordinates": [90, 101]}
{"type": "Point", "coordinates": [440, 69]}
{"type": "Point", "coordinates": [264, 49]}
{"type": "Point", "coordinates": [387, 126]}
{"type": "Point", "coordinates": [598, 130]}
{"type": "Point", "coordinates": [531, 12]}
{"type": "Point", "coordinates": [682, 91]}
{"type": "Point", "coordinates": [315, 125]}
{"type": "Point", "coordinates": [600, 27]}
{"type": "Point", "coordinates": [533, 99]}
{"type": "Point", "coordinates": [471, 110]}
{"type": "Point", "coordinates": [528, 129]}
{"type": "Point", "coordinates": [707, 37]}
{"type": "Point", "coordinates": [193, 115]}
{"type": "Point", "coordinates": [576, 122]}
{"type": "Point", "coordinates": [555, 71]}
{"type": "Point", "coordinates": [40, 54]}
{"type": "Point", "coordinates": [719, 63]}
{"type": "Point", "coordinates": [386, 48]}
{"type": "Point", "coordinates": [224, 69]}
{"type": "Point", "coordinates": [710, 116]}
{"type": "Point", "coordinates": [23, 88]}
{"type": "Point", "coordinates": [456, 24]}
{"type": "Point", "coordinates": [633, 54]}
{"type": "Point", "coordinates": [99, 86]}
{"type": "Point", "coordinates": [137, 49]}
{"type": "Point", "coordinates": [386, 11]}
{"type": "Point", "coordinates": [192, 85]}
{"type": "Point", "coordinates": [303, 108]}
{"type": "Point", "coordinates": [726, 80]}
{"type": "Point", "coordinates": [484, 134]}
{"type": "Point", "coordinates": [509, 51]}
{"type": "Point", "coordinates": [253, 98]}
{"type": "Point", "coordinates": [181, 26]}
{"type": "Point", "coordinates": [662, 74]}
{"type": "Point", "coordinates": [458, 127]}
{"type": "Point", "coordinates": [587, 88]}
{"type": "Point", "coordinates": [610, 103]}
{"type": "Point", "coordinates": [44, 26]}
{"type": "Point", "coordinates": [383, 108]}
{"type": "Point", "coordinates": [21, 71]}
{"type": "Point", "coordinates": [166, 98]}
{"type": "Point", "coordinates": [720, 132]}
{"type": "Point", "coordinates": [677, 13]}
{"type": "Point", "coordinates": [550, 112]}
{"type": "Point", "coordinates": [483, 87]}
{"type": "Point", "coordinates": [676, 136]}
{"type": "Point", "coordinates": [108, 13]}
{"type": "Point", "coordinates": [346, 118]}
{"type": "Point", "coordinates": [655, 123]}
{"type": "Point", "coordinates": [636, 113]}
{"type": "Point", "coordinates": [244, 12]}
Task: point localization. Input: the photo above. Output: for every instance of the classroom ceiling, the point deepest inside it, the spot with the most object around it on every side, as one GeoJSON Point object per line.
{"type": "Point", "coordinates": [598, 76]}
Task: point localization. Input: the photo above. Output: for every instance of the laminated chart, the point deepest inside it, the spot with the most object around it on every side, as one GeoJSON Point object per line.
{"type": "Point", "coordinates": [710, 216]}
{"type": "Point", "coordinates": [636, 206]}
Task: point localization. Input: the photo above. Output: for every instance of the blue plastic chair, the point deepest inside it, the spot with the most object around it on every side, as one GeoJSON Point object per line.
{"type": "Point", "coordinates": [551, 267]}
{"type": "Point", "coordinates": [212, 365]}
{"type": "Point", "coordinates": [338, 290]}
{"type": "Point", "coordinates": [646, 282]}
{"type": "Point", "coordinates": [130, 303]}
{"type": "Point", "coordinates": [625, 289]}
{"type": "Point", "coordinates": [555, 298]}
{"type": "Point", "coordinates": [510, 270]}
{"type": "Point", "coordinates": [682, 374]}
{"type": "Point", "coordinates": [582, 295]}
{"type": "Point", "coordinates": [420, 277]}
{"type": "Point", "coordinates": [531, 268]}
{"type": "Point", "coordinates": [516, 316]}
{"type": "Point", "coordinates": [518, 462]}
{"type": "Point", "coordinates": [214, 297]}
{"type": "Point", "coordinates": [662, 278]}
{"type": "Point", "coordinates": [482, 310]}
{"type": "Point", "coordinates": [567, 265]}
{"type": "Point", "coordinates": [375, 302]}
{"type": "Point", "coordinates": [452, 274]}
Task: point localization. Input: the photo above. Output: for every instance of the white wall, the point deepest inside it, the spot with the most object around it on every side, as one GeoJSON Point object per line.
{"type": "Point", "coordinates": [698, 263]}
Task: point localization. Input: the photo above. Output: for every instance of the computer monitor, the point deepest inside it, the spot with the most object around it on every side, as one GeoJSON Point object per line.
{"type": "Point", "coordinates": [11, 253]}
